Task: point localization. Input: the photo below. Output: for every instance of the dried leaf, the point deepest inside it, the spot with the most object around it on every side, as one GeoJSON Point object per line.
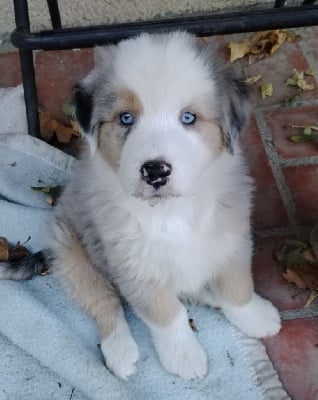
{"type": "Point", "coordinates": [309, 71]}
{"type": "Point", "coordinates": [292, 36]}
{"type": "Point", "coordinates": [298, 80]}
{"type": "Point", "coordinates": [263, 44]}
{"type": "Point", "coordinates": [291, 82]}
{"type": "Point", "coordinates": [252, 79]}
{"type": "Point", "coordinates": [239, 50]}
{"type": "Point", "coordinates": [268, 42]}
{"type": "Point", "coordinates": [50, 126]}
{"type": "Point", "coordinates": [300, 263]}
{"type": "Point", "coordinates": [266, 90]}
{"type": "Point", "coordinates": [302, 84]}
{"type": "Point", "coordinates": [302, 138]}
{"type": "Point", "coordinates": [68, 110]}
{"type": "Point", "coordinates": [192, 325]}
{"type": "Point", "coordinates": [304, 276]}
{"type": "Point", "coordinates": [288, 252]}
{"type": "Point", "coordinates": [312, 127]}
{"type": "Point", "coordinates": [54, 192]}
{"type": "Point", "coordinates": [308, 131]}
{"type": "Point", "coordinates": [18, 252]}
{"type": "Point", "coordinates": [4, 249]}
{"type": "Point", "coordinates": [45, 272]}
{"type": "Point", "coordinates": [312, 297]}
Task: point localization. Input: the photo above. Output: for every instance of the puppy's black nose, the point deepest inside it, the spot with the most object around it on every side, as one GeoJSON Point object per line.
{"type": "Point", "coordinates": [155, 172]}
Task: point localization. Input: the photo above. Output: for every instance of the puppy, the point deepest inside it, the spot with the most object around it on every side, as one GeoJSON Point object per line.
{"type": "Point", "coordinates": [158, 208]}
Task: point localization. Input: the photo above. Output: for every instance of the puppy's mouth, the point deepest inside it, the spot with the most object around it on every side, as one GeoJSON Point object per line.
{"type": "Point", "coordinates": [148, 193]}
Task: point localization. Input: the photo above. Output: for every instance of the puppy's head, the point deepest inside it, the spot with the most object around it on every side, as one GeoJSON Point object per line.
{"type": "Point", "coordinates": [160, 110]}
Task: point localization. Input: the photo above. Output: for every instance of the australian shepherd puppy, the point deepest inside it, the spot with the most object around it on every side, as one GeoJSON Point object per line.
{"type": "Point", "coordinates": [158, 208]}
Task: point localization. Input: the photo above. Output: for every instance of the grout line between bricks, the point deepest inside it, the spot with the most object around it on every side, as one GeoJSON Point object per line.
{"type": "Point", "coordinates": [308, 53]}
{"type": "Point", "coordinates": [274, 162]}
{"type": "Point", "coordinates": [302, 232]}
{"type": "Point", "coordinates": [299, 314]}
{"type": "Point", "coordinates": [267, 233]}
{"type": "Point", "coordinates": [299, 161]}
{"type": "Point", "coordinates": [296, 104]}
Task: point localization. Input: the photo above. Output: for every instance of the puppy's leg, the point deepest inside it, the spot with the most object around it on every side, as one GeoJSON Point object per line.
{"type": "Point", "coordinates": [234, 293]}
{"type": "Point", "coordinates": [100, 300]}
{"type": "Point", "coordinates": [178, 349]}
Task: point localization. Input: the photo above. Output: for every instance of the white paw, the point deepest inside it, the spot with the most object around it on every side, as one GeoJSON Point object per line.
{"type": "Point", "coordinates": [179, 351]}
{"type": "Point", "coordinates": [258, 318]}
{"type": "Point", "coordinates": [120, 351]}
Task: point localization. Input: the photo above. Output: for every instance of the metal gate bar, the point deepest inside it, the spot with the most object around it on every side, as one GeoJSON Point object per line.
{"type": "Point", "coordinates": [67, 38]}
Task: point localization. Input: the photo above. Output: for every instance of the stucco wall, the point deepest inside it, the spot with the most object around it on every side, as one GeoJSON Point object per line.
{"type": "Point", "coordinates": [83, 12]}
{"type": "Point", "coordinates": [89, 12]}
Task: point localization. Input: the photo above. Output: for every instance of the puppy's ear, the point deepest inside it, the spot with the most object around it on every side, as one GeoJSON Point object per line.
{"type": "Point", "coordinates": [235, 108]}
{"type": "Point", "coordinates": [91, 91]}
{"type": "Point", "coordinates": [231, 94]}
{"type": "Point", "coordinates": [83, 103]}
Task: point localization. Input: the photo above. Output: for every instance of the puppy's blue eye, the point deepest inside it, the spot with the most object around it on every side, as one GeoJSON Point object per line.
{"type": "Point", "coordinates": [188, 118]}
{"type": "Point", "coordinates": [127, 119]}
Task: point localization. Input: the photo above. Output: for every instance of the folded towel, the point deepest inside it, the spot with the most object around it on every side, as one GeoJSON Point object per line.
{"type": "Point", "coordinates": [49, 347]}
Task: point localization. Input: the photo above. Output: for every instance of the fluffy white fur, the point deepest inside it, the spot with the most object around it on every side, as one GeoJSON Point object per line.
{"type": "Point", "coordinates": [189, 239]}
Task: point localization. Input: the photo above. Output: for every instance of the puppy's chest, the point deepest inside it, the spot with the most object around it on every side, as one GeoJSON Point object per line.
{"type": "Point", "coordinates": [177, 251]}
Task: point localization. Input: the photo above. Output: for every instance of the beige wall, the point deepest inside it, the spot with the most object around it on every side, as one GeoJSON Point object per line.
{"type": "Point", "coordinates": [89, 12]}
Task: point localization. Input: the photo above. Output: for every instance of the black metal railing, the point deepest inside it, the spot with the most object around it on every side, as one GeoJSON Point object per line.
{"type": "Point", "coordinates": [66, 38]}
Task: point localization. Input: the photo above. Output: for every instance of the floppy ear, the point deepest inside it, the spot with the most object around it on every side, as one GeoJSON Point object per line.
{"type": "Point", "coordinates": [92, 91]}
{"type": "Point", "coordinates": [83, 102]}
{"type": "Point", "coordinates": [235, 108]}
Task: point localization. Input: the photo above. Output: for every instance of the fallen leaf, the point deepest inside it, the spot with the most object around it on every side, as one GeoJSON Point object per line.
{"type": "Point", "coordinates": [312, 127]}
{"type": "Point", "coordinates": [292, 36]}
{"type": "Point", "coordinates": [262, 44]}
{"type": "Point", "coordinates": [54, 192]}
{"type": "Point", "coordinates": [18, 252]}
{"type": "Point", "coordinates": [50, 126]}
{"type": "Point", "coordinates": [299, 262]}
{"type": "Point", "coordinates": [45, 272]}
{"type": "Point", "coordinates": [299, 80]}
{"type": "Point", "coordinates": [239, 49]}
{"type": "Point", "coordinates": [252, 79]}
{"type": "Point", "coordinates": [304, 276]}
{"type": "Point", "coordinates": [312, 297]}
{"type": "Point", "coordinates": [68, 110]}
{"type": "Point", "coordinates": [268, 42]}
{"type": "Point", "coordinates": [192, 325]}
{"type": "Point", "coordinates": [308, 131]}
{"type": "Point", "coordinates": [266, 90]}
{"type": "Point", "coordinates": [309, 71]}
{"type": "Point", "coordinates": [302, 138]}
{"type": "Point", "coordinates": [4, 249]}
{"type": "Point", "coordinates": [307, 136]}
{"type": "Point", "coordinates": [288, 252]}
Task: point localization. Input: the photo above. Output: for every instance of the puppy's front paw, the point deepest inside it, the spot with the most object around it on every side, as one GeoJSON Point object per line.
{"type": "Point", "coordinates": [185, 358]}
{"type": "Point", "coordinates": [258, 318]}
{"type": "Point", "coordinates": [120, 351]}
{"type": "Point", "coordinates": [179, 351]}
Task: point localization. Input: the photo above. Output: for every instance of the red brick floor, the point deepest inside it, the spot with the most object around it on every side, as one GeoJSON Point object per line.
{"type": "Point", "coordinates": [285, 173]}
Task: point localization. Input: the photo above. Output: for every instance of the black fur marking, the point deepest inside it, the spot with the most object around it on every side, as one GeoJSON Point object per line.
{"type": "Point", "coordinates": [26, 267]}
{"type": "Point", "coordinates": [238, 117]}
{"type": "Point", "coordinates": [83, 101]}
